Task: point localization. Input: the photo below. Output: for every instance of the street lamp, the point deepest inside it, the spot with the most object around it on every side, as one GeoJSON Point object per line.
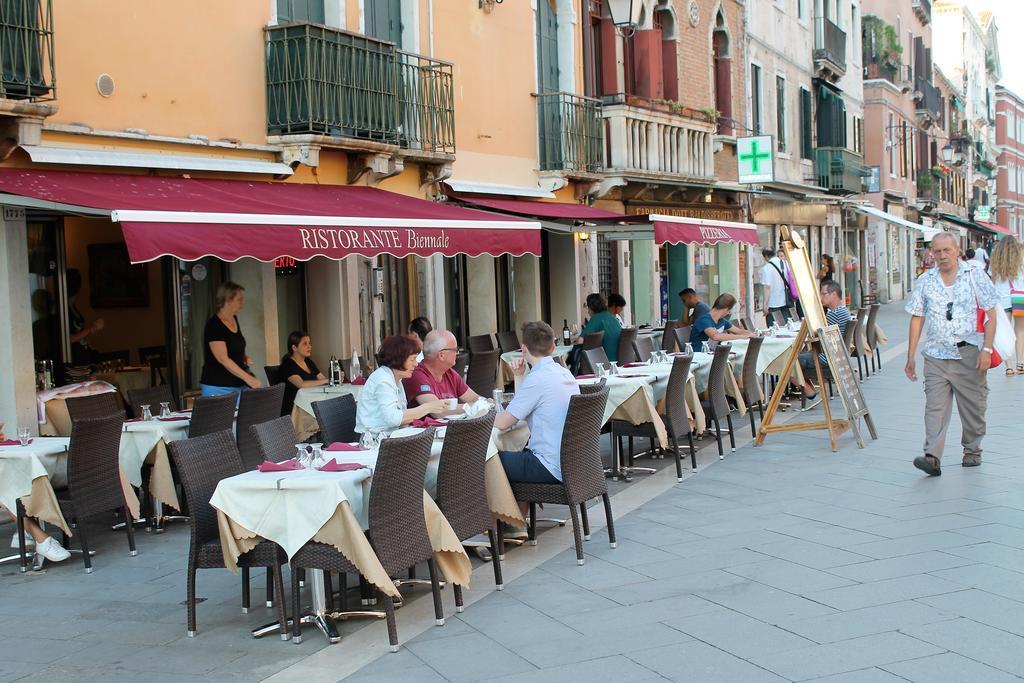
{"type": "Point", "coordinates": [624, 15]}
{"type": "Point", "coordinates": [947, 153]}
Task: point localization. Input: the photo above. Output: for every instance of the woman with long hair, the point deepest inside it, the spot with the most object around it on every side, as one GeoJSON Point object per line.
{"type": "Point", "coordinates": [1006, 267]}
{"type": "Point", "coordinates": [827, 272]}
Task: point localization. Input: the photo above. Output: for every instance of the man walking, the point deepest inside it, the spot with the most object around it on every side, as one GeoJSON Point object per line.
{"type": "Point", "coordinates": [945, 302]}
{"type": "Point", "coordinates": [776, 288]}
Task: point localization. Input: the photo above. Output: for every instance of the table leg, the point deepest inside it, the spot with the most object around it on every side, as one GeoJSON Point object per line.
{"type": "Point", "coordinates": [319, 617]}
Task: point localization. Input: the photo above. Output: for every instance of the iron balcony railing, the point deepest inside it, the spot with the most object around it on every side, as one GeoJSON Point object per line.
{"type": "Point", "coordinates": [571, 132]}
{"type": "Point", "coordinates": [900, 75]}
{"type": "Point", "coordinates": [26, 50]}
{"type": "Point", "coordinates": [325, 81]}
{"type": "Point", "coordinates": [829, 44]}
{"type": "Point", "coordinates": [929, 99]}
{"type": "Point", "coordinates": [839, 170]}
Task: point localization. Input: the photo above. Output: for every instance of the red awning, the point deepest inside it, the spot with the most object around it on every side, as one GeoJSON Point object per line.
{"type": "Point", "coordinates": [550, 210]}
{"type": "Point", "coordinates": [995, 228]}
{"type": "Point", "coordinates": [233, 219]}
{"type": "Point", "coordinates": [682, 230]}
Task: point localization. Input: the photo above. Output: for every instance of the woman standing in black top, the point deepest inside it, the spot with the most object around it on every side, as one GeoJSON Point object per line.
{"type": "Point", "coordinates": [827, 273]}
{"type": "Point", "coordinates": [225, 365]}
{"type": "Point", "coordinates": [298, 369]}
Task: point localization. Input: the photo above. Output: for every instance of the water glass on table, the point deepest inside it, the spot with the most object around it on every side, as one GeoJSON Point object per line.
{"type": "Point", "coordinates": [24, 436]}
{"type": "Point", "coordinates": [165, 409]}
{"type": "Point", "coordinates": [688, 348]}
{"type": "Point", "coordinates": [146, 414]}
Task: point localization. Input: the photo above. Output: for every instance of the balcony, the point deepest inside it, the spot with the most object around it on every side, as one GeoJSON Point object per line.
{"type": "Point", "coordinates": [571, 133]}
{"type": "Point", "coordinates": [899, 75]}
{"type": "Point", "coordinates": [923, 10]}
{"type": "Point", "coordinates": [929, 101]}
{"type": "Point", "coordinates": [839, 170]}
{"type": "Point", "coordinates": [26, 50]}
{"type": "Point", "coordinates": [362, 93]}
{"type": "Point", "coordinates": [645, 142]}
{"type": "Point", "coordinates": [829, 49]}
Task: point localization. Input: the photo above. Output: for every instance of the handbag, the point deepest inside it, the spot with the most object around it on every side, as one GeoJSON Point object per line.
{"type": "Point", "coordinates": [998, 340]}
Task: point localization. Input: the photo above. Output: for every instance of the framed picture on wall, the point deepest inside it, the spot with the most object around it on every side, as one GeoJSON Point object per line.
{"type": "Point", "coordinates": [114, 281]}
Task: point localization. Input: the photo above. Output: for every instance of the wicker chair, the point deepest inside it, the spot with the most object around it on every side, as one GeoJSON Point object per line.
{"type": "Point", "coordinates": [683, 334]}
{"type": "Point", "coordinates": [582, 471]}
{"type": "Point", "coordinates": [594, 388]}
{"type": "Point", "coordinates": [794, 313]}
{"type": "Point", "coordinates": [480, 342]}
{"type": "Point", "coordinates": [508, 341]}
{"type": "Point", "coordinates": [94, 478]}
{"type": "Point", "coordinates": [273, 373]}
{"type": "Point", "coordinates": [592, 358]}
{"type": "Point", "coordinates": [255, 407]}
{"type": "Point", "coordinates": [626, 352]}
{"type": "Point", "coordinates": [461, 492]}
{"type": "Point", "coordinates": [778, 318]}
{"type": "Point", "coordinates": [860, 343]}
{"type": "Point", "coordinates": [202, 462]}
{"type": "Point", "coordinates": [337, 419]}
{"type": "Point", "coordinates": [461, 363]}
{"type": "Point", "coordinates": [748, 323]}
{"type": "Point", "coordinates": [676, 422]}
{"type": "Point", "coordinates": [482, 375]}
{"type": "Point", "coordinates": [717, 405]}
{"type": "Point", "coordinates": [643, 347]}
{"type": "Point", "coordinates": [212, 414]}
{"type": "Point", "coordinates": [593, 340]}
{"type": "Point", "coordinates": [93, 406]}
{"type": "Point", "coordinates": [668, 339]}
{"type": "Point", "coordinates": [871, 332]}
{"type": "Point", "coordinates": [152, 396]}
{"type": "Point", "coordinates": [275, 439]}
{"type": "Point", "coordinates": [751, 388]}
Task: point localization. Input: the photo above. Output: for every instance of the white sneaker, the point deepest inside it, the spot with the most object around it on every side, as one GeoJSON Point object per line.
{"type": "Point", "coordinates": [29, 541]}
{"type": "Point", "coordinates": [52, 550]}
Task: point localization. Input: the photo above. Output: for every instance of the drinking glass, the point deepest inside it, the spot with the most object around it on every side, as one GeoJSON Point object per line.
{"type": "Point", "coordinates": [24, 436]}
{"type": "Point", "coordinates": [705, 347]}
{"type": "Point", "coordinates": [146, 414]}
{"type": "Point", "coordinates": [688, 348]}
{"type": "Point", "coordinates": [300, 453]}
{"type": "Point", "coordinates": [165, 409]}
{"type": "Point", "coordinates": [369, 440]}
{"type": "Point", "coordinates": [506, 398]}
{"type": "Point", "coordinates": [613, 368]}
{"type": "Point", "coordinates": [317, 457]}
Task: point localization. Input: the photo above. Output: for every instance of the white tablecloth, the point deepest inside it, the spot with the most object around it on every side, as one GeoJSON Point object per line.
{"type": "Point", "coordinates": [140, 439]}
{"type": "Point", "coordinates": [505, 374]}
{"type": "Point", "coordinates": [35, 468]}
{"type": "Point", "coordinates": [305, 398]}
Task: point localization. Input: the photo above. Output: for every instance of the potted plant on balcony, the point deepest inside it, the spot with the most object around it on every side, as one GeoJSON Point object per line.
{"type": "Point", "coordinates": [711, 114]}
{"type": "Point", "coordinates": [924, 185]}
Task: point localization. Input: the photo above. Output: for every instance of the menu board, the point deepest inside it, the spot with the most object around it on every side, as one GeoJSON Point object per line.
{"type": "Point", "coordinates": [834, 348]}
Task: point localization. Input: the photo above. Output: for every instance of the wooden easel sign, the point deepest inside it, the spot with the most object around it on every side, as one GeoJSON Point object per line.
{"type": "Point", "coordinates": [815, 329]}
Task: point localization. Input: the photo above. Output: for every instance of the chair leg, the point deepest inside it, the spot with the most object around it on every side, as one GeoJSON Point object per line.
{"type": "Point", "coordinates": [493, 535]}
{"type": "Point", "coordinates": [245, 589]}
{"type": "Point", "coordinates": [531, 532]}
{"type": "Point", "coordinates": [82, 538]}
{"type": "Point", "coordinates": [732, 432]}
{"type": "Point", "coordinates": [190, 598]}
{"type": "Point", "coordinates": [679, 459]}
{"type": "Point", "coordinates": [435, 589]}
{"type": "Point", "coordinates": [750, 414]}
{"type": "Point", "coordinates": [282, 607]}
{"type": "Point", "coordinates": [130, 528]}
{"type": "Point", "coordinates": [693, 451]}
{"type": "Point", "coordinates": [586, 521]}
{"type": "Point", "coordinates": [389, 615]}
{"type": "Point", "coordinates": [718, 437]}
{"type": "Point", "coordinates": [459, 606]}
{"type": "Point", "coordinates": [296, 608]}
{"type": "Point", "coordinates": [23, 552]}
{"type": "Point", "coordinates": [269, 595]}
{"type": "Point", "coordinates": [576, 533]}
{"type": "Point", "coordinates": [610, 522]}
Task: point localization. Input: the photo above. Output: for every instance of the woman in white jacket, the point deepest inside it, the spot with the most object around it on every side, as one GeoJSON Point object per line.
{"type": "Point", "coordinates": [1007, 270]}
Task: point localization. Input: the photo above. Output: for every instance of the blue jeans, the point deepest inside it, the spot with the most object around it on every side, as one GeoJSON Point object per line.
{"type": "Point", "coordinates": [210, 390]}
{"type": "Point", "coordinates": [524, 466]}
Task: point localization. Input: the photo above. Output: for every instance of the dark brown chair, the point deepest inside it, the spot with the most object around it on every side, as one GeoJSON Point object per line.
{"type": "Point", "coordinates": [152, 396]}
{"type": "Point", "coordinates": [93, 406]}
{"type": "Point", "coordinates": [676, 423]}
{"type": "Point", "coordinates": [273, 373]}
{"type": "Point", "coordinates": [154, 357]}
{"type": "Point", "coordinates": [582, 471]}
{"type": "Point", "coordinates": [717, 405]}
{"type": "Point", "coordinates": [461, 363]}
{"type": "Point", "coordinates": [593, 340]}
{"type": "Point", "coordinates": [212, 414]}
{"type": "Point", "coordinates": [461, 492]}
{"type": "Point", "coordinates": [508, 341]}
{"type": "Point", "coordinates": [626, 352]}
{"type": "Point", "coordinates": [794, 313]}
{"type": "Point", "coordinates": [94, 478]}
{"type": "Point", "coordinates": [594, 388]}
{"type": "Point", "coordinates": [398, 527]}
{"type": "Point", "coordinates": [482, 375]}
{"type": "Point", "coordinates": [592, 358]}
{"type": "Point", "coordinates": [668, 339]}
{"type": "Point", "coordinates": [748, 323]}
{"type": "Point", "coordinates": [683, 334]}
{"type": "Point", "coordinates": [201, 463]}
{"type": "Point", "coordinates": [480, 342]}
{"type": "Point", "coordinates": [337, 419]}
{"type": "Point", "coordinates": [860, 343]}
{"type": "Point", "coordinates": [275, 439]}
{"type": "Point", "coordinates": [871, 331]}
{"type": "Point", "coordinates": [778, 318]}
{"type": "Point", "coordinates": [643, 347]}
{"type": "Point", "coordinates": [751, 389]}
{"type": "Point", "coordinates": [255, 407]}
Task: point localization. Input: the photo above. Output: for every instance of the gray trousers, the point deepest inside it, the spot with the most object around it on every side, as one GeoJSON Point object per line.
{"type": "Point", "coordinates": [945, 380]}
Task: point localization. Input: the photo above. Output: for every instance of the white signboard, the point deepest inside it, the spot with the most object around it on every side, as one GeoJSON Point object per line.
{"type": "Point", "coordinates": [756, 159]}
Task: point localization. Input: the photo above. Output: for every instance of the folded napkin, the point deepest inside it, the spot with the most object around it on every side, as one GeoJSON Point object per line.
{"type": "Point", "coordinates": [479, 407]}
{"type": "Point", "coordinates": [631, 376]}
{"type": "Point", "coordinates": [342, 446]}
{"type": "Point", "coordinates": [334, 466]}
{"type": "Point", "coordinates": [428, 422]}
{"type": "Point", "coordinates": [13, 442]}
{"type": "Point", "coordinates": [359, 380]}
{"type": "Point", "coordinates": [286, 466]}
{"type": "Point", "coordinates": [174, 418]}
{"type": "Point", "coordinates": [584, 377]}
{"type": "Point", "coordinates": [635, 365]}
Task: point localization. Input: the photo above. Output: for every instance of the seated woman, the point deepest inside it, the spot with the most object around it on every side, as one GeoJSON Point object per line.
{"type": "Point", "coordinates": [298, 370]}
{"type": "Point", "coordinates": [602, 320]}
{"type": "Point", "coordinates": [382, 402]}
{"type": "Point", "coordinates": [715, 326]}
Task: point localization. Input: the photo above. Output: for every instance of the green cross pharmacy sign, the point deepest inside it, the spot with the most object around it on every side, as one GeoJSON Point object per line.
{"type": "Point", "coordinates": [756, 159]}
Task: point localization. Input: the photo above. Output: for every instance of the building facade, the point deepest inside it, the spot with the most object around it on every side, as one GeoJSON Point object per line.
{"type": "Point", "coordinates": [1010, 179]}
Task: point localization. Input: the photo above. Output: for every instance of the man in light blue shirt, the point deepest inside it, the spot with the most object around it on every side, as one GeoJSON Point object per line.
{"type": "Point", "coordinates": [543, 401]}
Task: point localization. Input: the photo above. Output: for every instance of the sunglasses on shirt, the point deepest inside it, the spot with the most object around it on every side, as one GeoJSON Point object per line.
{"type": "Point", "coordinates": [949, 311]}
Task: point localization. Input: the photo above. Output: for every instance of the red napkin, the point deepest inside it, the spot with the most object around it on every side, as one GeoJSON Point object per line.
{"type": "Point", "coordinates": [342, 446]}
{"type": "Point", "coordinates": [584, 377]}
{"type": "Point", "coordinates": [359, 380]}
{"type": "Point", "coordinates": [635, 365]}
{"type": "Point", "coordinates": [334, 466]}
{"type": "Point", "coordinates": [286, 466]}
{"type": "Point", "coordinates": [13, 442]}
{"type": "Point", "coordinates": [174, 418]}
{"type": "Point", "coordinates": [428, 422]}
{"type": "Point", "coordinates": [133, 419]}
{"type": "Point", "coordinates": [631, 376]}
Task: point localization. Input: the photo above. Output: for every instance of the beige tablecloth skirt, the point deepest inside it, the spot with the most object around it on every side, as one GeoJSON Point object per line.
{"type": "Point", "coordinates": [42, 504]}
{"type": "Point", "coordinates": [638, 409]}
{"type": "Point", "coordinates": [305, 425]}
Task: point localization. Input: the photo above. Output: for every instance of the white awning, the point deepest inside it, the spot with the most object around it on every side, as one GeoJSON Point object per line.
{"type": "Point", "coordinates": [475, 187]}
{"type": "Point", "coordinates": [878, 213]}
{"type": "Point", "coordinates": [80, 156]}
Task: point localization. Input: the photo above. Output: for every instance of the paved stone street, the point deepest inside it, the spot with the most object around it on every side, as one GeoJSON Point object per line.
{"type": "Point", "coordinates": [785, 562]}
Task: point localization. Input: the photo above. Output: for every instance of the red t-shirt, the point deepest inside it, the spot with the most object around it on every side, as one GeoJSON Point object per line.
{"type": "Point", "coordinates": [451, 385]}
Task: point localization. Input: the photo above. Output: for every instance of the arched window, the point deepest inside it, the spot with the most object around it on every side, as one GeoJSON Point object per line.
{"type": "Point", "coordinates": [651, 66]}
{"type": "Point", "coordinates": [723, 75]}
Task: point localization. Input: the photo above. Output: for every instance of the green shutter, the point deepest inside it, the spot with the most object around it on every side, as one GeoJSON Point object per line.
{"type": "Point", "coordinates": [289, 11]}
{"type": "Point", "coordinates": [384, 20]}
{"type": "Point", "coordinates": [806, 116]}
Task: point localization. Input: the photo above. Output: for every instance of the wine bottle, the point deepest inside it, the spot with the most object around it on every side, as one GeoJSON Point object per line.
{"type": "Point", "coordinates": [566, 335]}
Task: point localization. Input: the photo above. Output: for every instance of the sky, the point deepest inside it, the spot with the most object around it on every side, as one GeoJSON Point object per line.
{"type": "Point", "coordinates": [1010, 20]}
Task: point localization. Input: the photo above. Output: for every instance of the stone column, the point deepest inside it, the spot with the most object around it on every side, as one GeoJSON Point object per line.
{"type": "Point", "coordinates": [17, 380]}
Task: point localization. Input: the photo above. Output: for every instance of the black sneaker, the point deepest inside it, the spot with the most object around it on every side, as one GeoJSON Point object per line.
{"type": "Point", "coordinates": [928, 464]}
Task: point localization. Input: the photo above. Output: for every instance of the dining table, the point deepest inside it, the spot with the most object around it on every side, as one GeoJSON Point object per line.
{"type": "Point", "coordinates": [31, 473]}
{"type": "Point", "coordinates": [127, 378]}
{"type": "Point", "coordinates": [52, 407]}
{"type": "Point", "coordinates": [303, 419]}
{"type": "Point", "coordinates": [144, 442]}
{"type": "Point", "coordinates": [506, 375]}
